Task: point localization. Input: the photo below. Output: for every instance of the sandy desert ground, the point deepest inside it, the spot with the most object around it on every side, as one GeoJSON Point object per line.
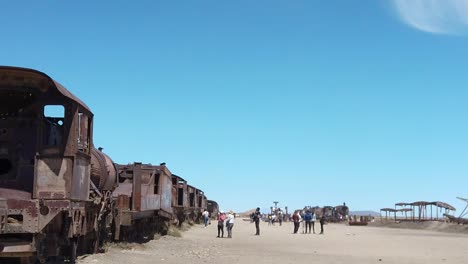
{"type": "Point", "coordinates": [339, 244]}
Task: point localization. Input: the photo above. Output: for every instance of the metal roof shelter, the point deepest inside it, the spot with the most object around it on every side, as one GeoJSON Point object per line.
{"type": "Point", "coordinates": [387, 212]}
{"type": "Point", "coordinates": [422, 209]}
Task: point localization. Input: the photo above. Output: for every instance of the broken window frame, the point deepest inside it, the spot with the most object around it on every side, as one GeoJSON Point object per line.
{"type": "Point", "coordinates": [50, 122]}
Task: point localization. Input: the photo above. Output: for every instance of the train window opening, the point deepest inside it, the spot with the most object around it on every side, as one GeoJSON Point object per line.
{"type": "Point", "coordinates": [192, 200]}
{"type": "Point", "coordinates": [180, 197]}
{"type": "Point", "coordinates": [156, 183]}
{"type": "Point", "coordinates": [174, 181]}
{"type": "Point", "coordinates": [5, 166]}
{"type": "Point", "coordinates": [125, 176]}
{"type": "Point", "coordinates": [200, 201]}
{"type": "Point", "coordinates": [54, 117]}
{"type": "Point", "coordinates": [15, 219]}
{"type": "Point", "coordinates": [83, 132]}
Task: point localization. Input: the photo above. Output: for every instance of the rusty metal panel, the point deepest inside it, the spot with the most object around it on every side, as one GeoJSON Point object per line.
{"type": "Point", "coordinates": [124, 188]}
{"type": "Point", "coordinates": [136, 190]}
{"type": "Point", "coordinates": [49, 209]}
{"type": "Point", "coordinates": [14, 194]}
{"type": "Point", "coordinates": [174, 196]}
{"type": "Point", "coordinates": [123, 202]}
{"type": "Point", "coordinates": [52, 178]}
{"type": "Point", "coordinates": [23, 216]}
{"type": "Point", "coordinates": [150, 202]}
{"type": "Point", "coordinates": [166, 193]}
{"type": "Point", "coordinates": [184, 188]}
{"type": "Point", "coordinates": [80, 182]}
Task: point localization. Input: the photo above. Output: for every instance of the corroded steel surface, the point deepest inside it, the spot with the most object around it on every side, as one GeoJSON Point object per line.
{"type": "Point", "coordinates": [16, 76]}
{"type": "Point", "coordinates": [103, 171]}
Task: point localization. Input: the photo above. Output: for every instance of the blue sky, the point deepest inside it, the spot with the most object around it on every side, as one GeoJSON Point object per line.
{"type": "Point", "coordinates": [301, 102]}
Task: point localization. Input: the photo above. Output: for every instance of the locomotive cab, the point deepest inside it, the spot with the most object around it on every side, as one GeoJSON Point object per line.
{"type": "Point", "coordinates": [45, 163]}
{"type": "Point", "coordinates": [45, 136]}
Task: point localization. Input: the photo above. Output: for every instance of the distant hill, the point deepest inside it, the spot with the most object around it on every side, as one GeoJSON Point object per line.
{"type": "Point", "coordinates": [359, 213]}
{"type": "Point", "coordinates": [247, 213]}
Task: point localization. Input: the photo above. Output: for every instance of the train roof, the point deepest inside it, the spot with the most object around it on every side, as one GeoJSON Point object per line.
{"type": "Point", "coordinates": [180, 178]}
{"type": "Point", "coordinates": [36, 77]}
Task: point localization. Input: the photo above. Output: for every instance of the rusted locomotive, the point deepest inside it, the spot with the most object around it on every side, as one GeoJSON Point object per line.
{"type": "Point", "coordinates": [60, 196]}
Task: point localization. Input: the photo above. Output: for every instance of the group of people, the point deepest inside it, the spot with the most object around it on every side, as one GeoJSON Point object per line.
{"type": "Point", "coordinates": [225, 220]}
{"type": "Point", "coordinates": [309, 219]}
{"type": "Point", "coordinates": [309, 222]}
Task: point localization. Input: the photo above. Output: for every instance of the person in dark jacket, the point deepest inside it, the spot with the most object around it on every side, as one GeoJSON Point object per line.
{"type": "Point", "coordinates": [297, 221]}
{"type": "Point", "coordinates": [308, 217]}
{"type": "Point", "coordinates": [322, 222]}
{"type": "Point", "coordinates": [256, 218]}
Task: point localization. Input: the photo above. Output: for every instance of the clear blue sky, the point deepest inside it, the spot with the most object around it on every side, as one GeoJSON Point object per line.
{"type": "Point", "coordinates": [303, 102]}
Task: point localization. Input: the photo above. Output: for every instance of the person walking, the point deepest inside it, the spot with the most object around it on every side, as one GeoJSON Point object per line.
{"type": "Point", "coordinates": [230, 223]}
{"type": "Point", "coordinates": [256, 218]}
{"type": "Point", "coordinates": [221, 218]}
{"type": "Point", "coordinates": [297, 221]}
{"type": "Point", "coordinates": [308, 221]}
{"type": "Point", "coordinates": [206, 217]}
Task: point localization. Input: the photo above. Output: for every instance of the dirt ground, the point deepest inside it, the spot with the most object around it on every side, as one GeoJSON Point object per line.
{"type": "Point", "coordinates": [277, 244]}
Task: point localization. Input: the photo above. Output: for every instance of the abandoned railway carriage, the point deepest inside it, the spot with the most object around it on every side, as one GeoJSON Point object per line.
{"type": "Point", "coordinates": [144, 200]}
{"type": "Point", "coordinates": [59, 196]}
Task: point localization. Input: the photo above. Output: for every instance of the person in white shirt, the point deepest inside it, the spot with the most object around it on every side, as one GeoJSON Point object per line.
{"type": "Point", "coordinates": [206, 217]}
{"type": "Point", "coordinates": [297, 220]}
{"type": "Point", "coordinates": [230, 223]}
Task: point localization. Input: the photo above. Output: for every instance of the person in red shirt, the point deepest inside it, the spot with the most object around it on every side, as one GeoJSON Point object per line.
{"type": "Point", "coordinates": [297, 221]}
{"type": "Point", "coordinates": [221, 218]}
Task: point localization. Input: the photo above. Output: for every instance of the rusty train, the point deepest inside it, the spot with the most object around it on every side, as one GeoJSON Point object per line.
{"type": "Point", "coordinates": [59, 195]}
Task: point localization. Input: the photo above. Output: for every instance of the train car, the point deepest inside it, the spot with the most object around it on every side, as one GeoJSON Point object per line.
{"type": "Point", "coordinates": [194, 204]}
{"type": "Point", "coordinates": [49, 202]}
{"type": "Point", "coordinates": [143, 201]}
{"type": "Point", "coordinates": [180, 202]}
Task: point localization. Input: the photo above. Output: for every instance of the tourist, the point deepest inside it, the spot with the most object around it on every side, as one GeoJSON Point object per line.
{"type": "Point", "coordinates": [221, 218]}
{"type": "Point", "coordinates": [322, 221]}
{"type": "Point", "coordinates": [297, 221]}
{"type": "Point", "coordinates": [206, 217]}
{"type": "Point", "coordinates": [280, 216]}
{"type": "Point", "coordinates": [308, 221]}
{"type": "Point", "coordinates": [314, 218]}
{"type": "Point", "coordinates": [230, 223]}
{"type": "Point", "coordinates": [256, 218]}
